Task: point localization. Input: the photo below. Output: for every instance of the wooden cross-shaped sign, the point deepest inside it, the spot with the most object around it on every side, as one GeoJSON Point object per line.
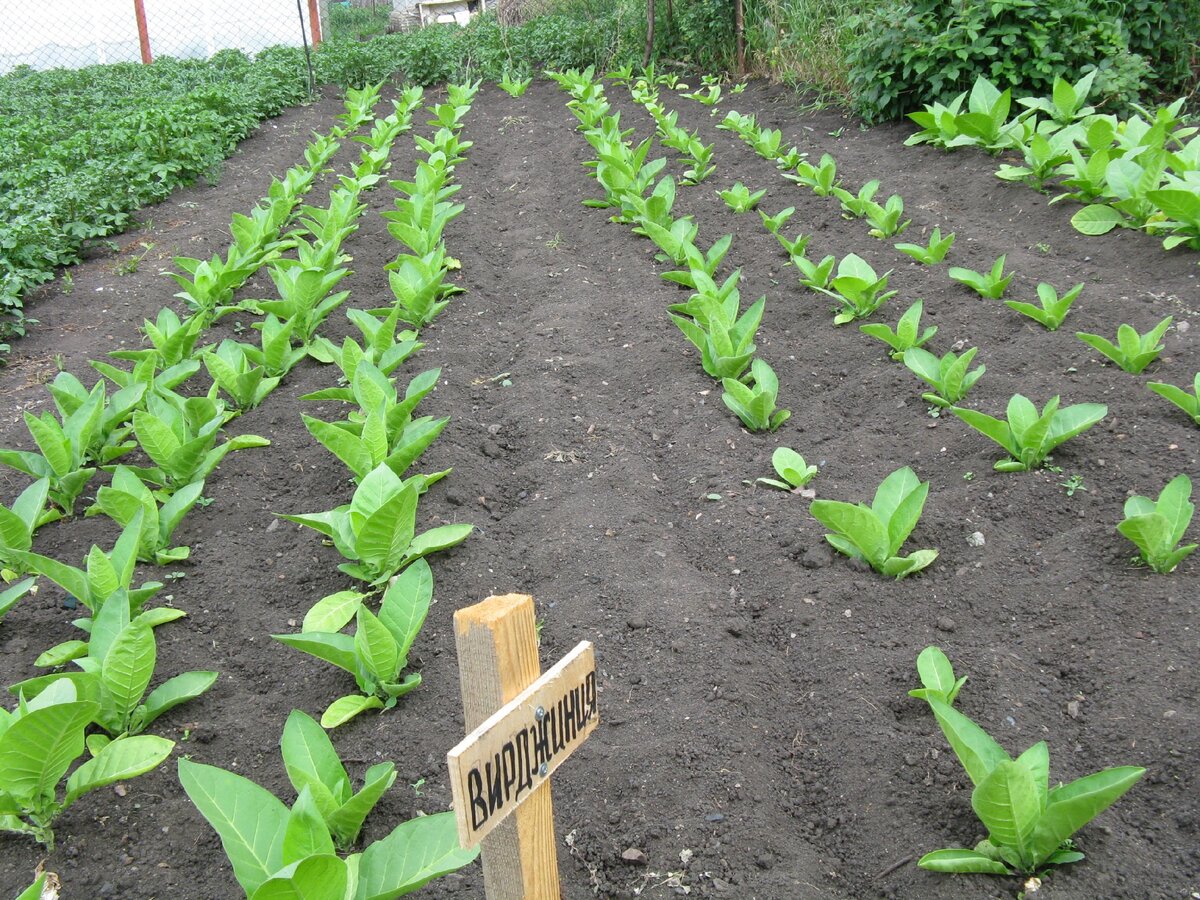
{"type": "Point", "coordinates": [521, 726]}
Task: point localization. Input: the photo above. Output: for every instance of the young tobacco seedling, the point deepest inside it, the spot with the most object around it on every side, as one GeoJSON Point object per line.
{"type": "Point", "coordinates": [991, 284]}
{"type": "Point", "coordinates": [1189, 403]}
{"type": "Point", "coordinates": [377, 654]}
{"type": "Point", "coordinates": [128, 495]}
{"type": "Point", "coordinates": [816, 276]}
{"type": "Point", "coordinates": [937, 677]}
{"type": "Point", "coordinates": [1157, 526]}
{"type": "Point", "coordinates": [793, 247]}
{"type": "Point", "coordinates": [1028, 436]}
{"type": "Point", "coordinates": [1029, 823]}
{"type": "Point", "coordinates": [1053, 308]}
{"type": "Point", "coordinates": [858, 288]}
{"type": "Point", "coordinates": [278, 853]}
{"type": "Point", "coordinates": [822, 178]}
{"type": "Point", "coordinates": [376, 531]}
{"type": "Point", "coordinates": [515, 88]}
{"type": "Point", "coordinates": [117, 664]}
{"type": "Point", "coordinates": [725, 339]}
{"type": "Point", "coordinates": [754, 403]}
{"type": "Point", "coordinates": [856, 205]}
{"type": "Point", "coordinates": [1133, 351]}
{"type": "Point", "coordinates": [777, 221]}
{"type": "Point", "coordinates": [950, 377]}
{"type": "Point", "coordinates": [885, 219]}
{"type": "Point", "coordinates": [933, 253]}
{"type": "Point", "coordinates": [908, 333]}
{"type": "Point", "coordinates": [419, 286]}
{"type": "Point", "coordinates": [876, 533]}
{"type": "Point", "coordinates": [312, 762]}
{"type": "Point", "coordinates": [383, 346]}
{"type": "Point", "coordinates": [305, 296]}
{"type": "Point", "coordinates": [234, 371]}
{"type": "Point", "coordinates": [18, 523]}
{"type": "Point", "coordinates": [63, 455]}
{"type": "Point", "coordinates": [791, 467]}
{"type": "Point", "coordinates": [172, 339]}
{"type": "Point", "coordinates": [39, 741]}
{"type": "Point", "coordinates": [740, 199]}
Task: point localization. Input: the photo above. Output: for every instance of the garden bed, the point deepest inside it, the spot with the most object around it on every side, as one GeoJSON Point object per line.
{"type": "Point", "coordinates": [756, 739]}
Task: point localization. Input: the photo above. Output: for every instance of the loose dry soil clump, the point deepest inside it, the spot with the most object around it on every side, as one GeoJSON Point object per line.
{"type": "Point", "coordinates": [756, 738]}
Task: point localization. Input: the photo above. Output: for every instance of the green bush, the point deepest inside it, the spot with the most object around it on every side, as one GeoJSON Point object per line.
{"type": "Point", "coordinates": [905, 54]}
{"type": "Point", "coordinates": [1168, 36]}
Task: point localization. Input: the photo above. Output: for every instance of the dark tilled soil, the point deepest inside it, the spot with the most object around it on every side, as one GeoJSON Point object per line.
{"type": "Point", "coordinates": [756, 737]}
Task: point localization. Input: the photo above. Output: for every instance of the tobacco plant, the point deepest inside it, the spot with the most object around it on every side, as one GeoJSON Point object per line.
{"type": "Point", "coordinates": [172, 340]}
{"type": "Point", "coordinates": [63, 455]}
{"type": "Point", "coordinates": [858, 288]}
{"type": "Point", "coordinates": [937, 677]}
{"type": "Point", "coordinates": [514, 88]}
{"type": "Point", "coordinates": [117, 664]}
{"type": "Point", "coordinates": [740, 199]}
{"type": "Point", "coordinates": [383, 431]}
{"type": "Point", "coordinates": [876, 533]}
{"type": "Point", "coordinates": [39, 741]}
{"type": "Point", "coordinates": [1030, 436]}
{"type": "Point", "coordinates": [107, 434]}
{"type": "Point", "coordinates": [777, 221]}
{"type": "Point", "coordinates": [932, 253]}
{"type": "Point", "coordinates": [791, 468]}
{"type": "Point", "coordinates": [685, 253]}
{"type": "Point", "coordinates": [376, 531]}
{"type": "Point", "coordinates": [822, 178]}
{"type": "Point", "coordinates": [235, 372]}
{"type": "Point", "coordinates": [377, 654]}
{"type": "Point", "coordinates": [1157, 526]}
{"type": "Point", "coordinates": [306, 296]}
{"type": "Point", "coordinates": [419, 285]}
{"type": "Point", "coordinates": [1132, 351]}
{"type": "Point", "coordinates": [278, 853]}
{"type": "Point", "coordinates": [14, 594]}
{"type": "Point", "coordinates": [1053, 308]}
{"type": "Point", "coordinates": [19, 522]}
{"type": "Point", "coordinates": [986, 284]}
{"type": "Point", "coordinates": [856, 205]}
{"type": "Point", "coordinates": [128, 496]}
{"type": "Point", "coordinates": [815, 276]}
{"type": "Point", "coordinates": [710, 320]}
{"type": "Point", "coordinates": [908, 333]}
{"type": "Point", "coordinates": [1029, 823]}
{"type": "Point", "coordinates": [951, 377]}
{"type": "Point", "coordinates": [753, 401]}
{"type": "Point", "coordinates": [179, 434]}
{"type": "Point", "coordinates": [1189, 403]}
{"type": "Point", "coordinates": [383, 346]}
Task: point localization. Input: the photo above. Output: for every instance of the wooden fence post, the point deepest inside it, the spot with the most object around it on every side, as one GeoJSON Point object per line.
{"type": "Point", "coordinates": [139, 14]}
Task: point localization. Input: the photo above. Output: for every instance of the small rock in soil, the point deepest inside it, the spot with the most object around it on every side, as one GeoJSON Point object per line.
{"type": "Point", "coordinates": [765, 860]}
{"type": "Point", "coordinates": [636, 623]}
{"type": "Point", "coordinates": [816, 557]}
{"type": "Point", "coordinates": [945, 623]}
{"type": "Point", "coordinates": [976, 539]}
{"type": "Point", "coordinates": [634, 856]}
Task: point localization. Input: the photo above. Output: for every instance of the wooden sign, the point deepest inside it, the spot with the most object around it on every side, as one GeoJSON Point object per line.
{"type": "Point", "coordinates": [502, 761]}
{"type": "Point", "coordinates": [521, 727]}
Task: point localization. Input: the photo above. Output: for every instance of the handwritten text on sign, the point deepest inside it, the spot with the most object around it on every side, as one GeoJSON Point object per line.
{"type": "Point", "coordinates": [502, 761]}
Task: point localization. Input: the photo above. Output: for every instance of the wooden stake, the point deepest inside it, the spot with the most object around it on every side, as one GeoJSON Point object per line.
{"type": "Point", "coordinates": [498, 658]}
{"type": "Point", "coordinates": [139, 15]}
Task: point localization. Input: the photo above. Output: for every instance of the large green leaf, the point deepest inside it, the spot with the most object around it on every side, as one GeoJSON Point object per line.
{"type": "Point", "coordinates": [435, 539]}
{"type": "Point", "coordinates": [375, 647]}
{"type": "Point", "coordinates": [342, 444]}
{"type": "Point", "coordinates": [347, 821]}
{"type": "Point", "coordinates": [322, 877]}
{"type": "Point", "coordinates": [121, 759]}
{"type": "Point", "coordinates": [250, 820]}
{"type": "Point", "coordinates": [1073, 420]}
{"type": "Point", "coordinates": [383, 539]}
{"type": "Point", "coordinates": [309, 756]}
{"type": "Point", "coordinates": [125, 674]}
{"type": "Point", "coordinates": [333, 612]}
{"type": "Point", "coordinates": [973, 746]}
{"type": "Point", "coordinates": [1098, 218]}
{"type": "Point", "coordinates": [343, 709]}
{"type": "Point", "coordinates": [37, 749]}
{"type": "Point", "coordinates": [963, 862]}
{"type": "Point", "coordinates": [174, 691]}
{"type": "Point", "coordinates": [306, 833]}
{"type": "Point", "coordinates": [415, 853]}
{"type": "Point", "coordinates": [337, 649]}
{"type": "Point", "coordinates": [861, 526]}
{"type": "Point", "coordinates": [1007, 803]}
{"type": "Point", "coordinates": [406, 604]}
{"type": "Point", "coordinates": [1073, 805]}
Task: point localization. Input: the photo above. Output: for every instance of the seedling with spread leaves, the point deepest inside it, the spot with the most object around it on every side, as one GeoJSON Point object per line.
{"type": "Point", "coordinates": [815, 276]}
{"type": "Point", "coordinates": [172, 339]}
{"type": "Point", "coordinates": [1157, 526]}
{"type": "Point", "coordinates": [876, 533]}
{"type": "Point", "coordinates": [856, 205]}
{"type": "Point", "coordinates": [514, 87]}
{"type": "Point", "coordinates": [951, 377]}
{"type": "Point", "coordinates": [885, 218]}
{"type": "Point", "coordinates": [306, 296]}
{"type": "Point", "coordinates": [18, 523]}
{"type": "Point", "coordinates": [754, 401]}
{"type": "Point", "coordinates": [908, 333]}
{"type": "Point", "coordinates": [1132, 351]}
{"type": "Point", "coordinates": [777, 221]}
{"type": "Point", "coordinates": [858, 288]}
{"type": "Point", "coordinates": [376, 531]}
{"type": "Point", "coordinates": [740, 199]}
{"type": "Point", "coordinates": [1029, 437]}
{"type": "Point", "coordinates": [791, 467]}
{"type": "Point", "coordinates": [987, 284]}
{"type": "Point", "coordinates": [419, 285]}
{"type": "Point", "coordinates": [382, 345]}
{"type": "Point", "coordinates": [128, 496]}
{"type": "Point", "coordinates": [793, 247]}
{"type": "Point", "coordinates": [724, 338]}
{"type": "Point", "coordinates": [39, 741]}
{"type": "Point", "coordinates": [932, 253]}
{"type": "Point", "coordinates": [234, 371]}
{"type": "Point", "coordinates": [822, 178]}
{"type": "Point", "coordinates": [117, 664]}
{"type": "Point", "coordinates": [377, 654]}
{"type": "Point", "coordinates": [276, 852]}
{"type": "Point", "coordinates": [1189, 403]}
{"type": "Point", "coordinates": [1029, 823]}
{"type": "Point", "coordinates": [63, 455]}
{"type": "Point", "coordinates": [1053, 308]}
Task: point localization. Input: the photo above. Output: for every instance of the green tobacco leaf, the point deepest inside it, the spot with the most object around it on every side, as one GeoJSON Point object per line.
{"type": "Point", "coordinates": [415, 853]}
{"type": "Point", "coordinates": [1073, 805]}
{"type": "Point", "coordinates": [1008, 804]}
{"type": "Point", "coordinates": [333, 612]}
{"type": "Point", "coordinates": [316, 878]}
{"type": "Point", "coordinates": [860, 526]}
{"type": "Point", "coordinates": [121, 759]}
{"type": "Point", "coordinates": [306, 834]}
{"type": "Point", "coordinates": [37, 749]}
{"type": "Point", "coordinates": [125, 674]}
{"type": "Point", "coordinates": [963, 862]}
{"type": "Point", "coordinates": [343, 709]}
{"type": "Point", "coordinates": [347, 821]}
{"type": "Point", "coordinates": [375, 647]}
{"type": "Point", "coordinates": [337, 649]}
{"type": "Point", "coordinates": [309, 757]}
{"type": "Point", "coordinates": [174, 691]}
{"type": "Point", "coordinates": [1096, 219]}
{"type": "Point", "coordinates": [250, 821]}
{"type": "Point", "coordinates": [973, 746]}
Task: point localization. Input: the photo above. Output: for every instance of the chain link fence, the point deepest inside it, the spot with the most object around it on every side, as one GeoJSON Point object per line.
{"type": "Point", "coordinates": [46, 34]}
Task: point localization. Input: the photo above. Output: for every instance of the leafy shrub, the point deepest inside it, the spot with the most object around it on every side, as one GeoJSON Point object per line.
{"type": "Point", "coordinates": [908, 53]}
{"type": "Point", "coordinates": [1166, 34]}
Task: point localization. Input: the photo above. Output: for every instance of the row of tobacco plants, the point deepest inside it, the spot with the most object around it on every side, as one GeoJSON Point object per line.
{"type": "Point", "coordinates": [1029, 823]}
{"type": "Point", "coordinates": [96, 704]}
